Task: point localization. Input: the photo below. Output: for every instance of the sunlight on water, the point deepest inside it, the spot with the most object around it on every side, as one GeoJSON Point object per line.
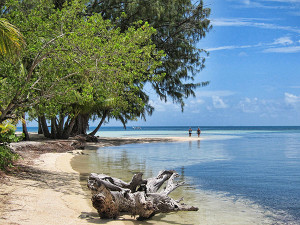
{"type": "Point", "coordinates": [234, 177]}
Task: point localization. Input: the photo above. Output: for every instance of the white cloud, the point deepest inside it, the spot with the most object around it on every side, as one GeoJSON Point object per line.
{"type": "Point", "coordinates": [231, 47]}
{"type": "Point", "coordinates": [208, 100]}
{"type": "Point", "coordinates": [291, 49]}
{"type": "Point", "coordinates": [291, 99]}
{"type": "Point", "coordinates": [251, 22]}
{"type": "Point", "coordinates": [285, 1]}
{"type": "Point", "coordinates": [270, 47]}
{"type": "Point", "coordinates": [283, 41]}
{"type": "Point", "coordinates": [222, 93]}
{"type": "Point", "coordinates": [267, 5]}
{"type": "Point", "coordinates": [219, 103]}
{"type": "Point", "coordinates": [194, 106]}
{"type": "Point", "coordinates": [243, 54]}
{"type": "Point", "coordinates": [261, 106]}
{"type": "Point", "coordinates": [197, 102]}
{"type": "Point", "coordinates": [161, 106]}
{"type": "Point", "coordinates": [249, 105]}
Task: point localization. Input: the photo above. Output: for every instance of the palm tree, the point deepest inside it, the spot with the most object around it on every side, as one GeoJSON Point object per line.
{"type": "Point", "coordinates": [11, 39]}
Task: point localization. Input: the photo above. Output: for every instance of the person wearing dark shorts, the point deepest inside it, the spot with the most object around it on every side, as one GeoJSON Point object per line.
{"type": "Point", "coordinates": [198, 132]}
{"type": "Point", "coordinates": [190, 132]}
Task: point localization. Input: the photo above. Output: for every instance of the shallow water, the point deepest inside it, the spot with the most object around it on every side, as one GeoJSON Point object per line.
{"type": "Point", "coordinates": [242, 176]}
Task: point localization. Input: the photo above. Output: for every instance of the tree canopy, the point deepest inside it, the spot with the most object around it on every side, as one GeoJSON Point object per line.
{"type": "Point", "coordinates": [75, 63]}
{"type": "Point", "coordinates": [180, 24]}
{"type": "Point", "coordinates": [87, 59]}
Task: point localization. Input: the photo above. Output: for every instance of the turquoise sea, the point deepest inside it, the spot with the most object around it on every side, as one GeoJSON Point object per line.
{"type": "Point", "coordinates": [235, 175]}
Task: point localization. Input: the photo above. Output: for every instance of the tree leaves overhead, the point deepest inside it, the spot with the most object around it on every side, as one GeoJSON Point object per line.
{"type": "Point", "coordinates": [93, 57]}
{"type": "Point", "coordinates": [76, 64]}
{"type": "Point", "coordinates": [180, 24]}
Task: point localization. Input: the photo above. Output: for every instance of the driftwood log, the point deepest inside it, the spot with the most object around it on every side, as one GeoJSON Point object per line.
{"type": "Point", "coordinates": [139, 197]}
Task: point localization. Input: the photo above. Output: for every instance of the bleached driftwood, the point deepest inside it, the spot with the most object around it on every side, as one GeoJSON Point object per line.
{"type": "Point", "coordinates": [141, 197]}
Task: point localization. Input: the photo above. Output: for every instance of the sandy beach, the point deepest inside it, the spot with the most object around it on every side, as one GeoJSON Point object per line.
{"type": "Point", "coordinates": [44, 189]}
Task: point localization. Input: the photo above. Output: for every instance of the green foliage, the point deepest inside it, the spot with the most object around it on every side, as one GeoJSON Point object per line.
{"type": "Point", "coordinates": [6, 157]}
{"type": "Point", "coordinates": [7, 135]}
{"type": "Point", "coordinates": [180, 24]}
{"type": "Point", "coordinates": [75, 63]}
{"type": "Point", "coordinates": [11, 40]}
{"type": "Point", "coordinates": [95, 59]}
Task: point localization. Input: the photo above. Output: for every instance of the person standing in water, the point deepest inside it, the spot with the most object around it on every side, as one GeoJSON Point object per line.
{"type": "Point", "coordinates": [190, 132]}
{"type": "Point", "coordinates": [198, 132]}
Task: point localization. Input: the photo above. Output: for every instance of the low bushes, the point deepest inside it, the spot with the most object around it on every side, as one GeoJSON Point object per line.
{"type": "Point", "coordinates": [6, 157]}
{"type": "Point", "coordinates": [7, 135]}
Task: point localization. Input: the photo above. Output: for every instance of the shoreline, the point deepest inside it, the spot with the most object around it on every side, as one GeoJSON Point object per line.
{"type": "Point", "coordinates": [46, 189]}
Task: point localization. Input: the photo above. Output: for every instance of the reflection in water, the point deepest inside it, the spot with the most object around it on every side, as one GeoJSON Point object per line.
{"type": "Point", "coordinates": [214, 207]}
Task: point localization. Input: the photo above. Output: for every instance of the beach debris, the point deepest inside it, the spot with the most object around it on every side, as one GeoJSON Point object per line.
{"type": "Point", "coordinates": [47, 146]}
{"type": "Point", "coordinates": [86, 138]}
{"type": "Point", "coordinates": [140, 197]}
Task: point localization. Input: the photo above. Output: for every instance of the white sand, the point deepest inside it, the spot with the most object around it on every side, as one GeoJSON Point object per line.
{"type": "Point", "coordinates": [50, 194]}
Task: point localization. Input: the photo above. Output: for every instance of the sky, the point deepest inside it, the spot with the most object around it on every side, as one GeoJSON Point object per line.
{"type": "Point", "coordinates": [253, 68]}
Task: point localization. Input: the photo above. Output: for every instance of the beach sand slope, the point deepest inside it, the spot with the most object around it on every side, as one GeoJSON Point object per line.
{"type": "Point", "coordinates": [47, 192]}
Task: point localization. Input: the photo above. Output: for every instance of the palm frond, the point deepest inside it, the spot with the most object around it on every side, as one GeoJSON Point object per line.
{"type": "Point", "coordinates": [11, 39]}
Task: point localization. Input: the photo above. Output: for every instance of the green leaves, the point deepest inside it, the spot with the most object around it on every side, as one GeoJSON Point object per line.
{"type": "Point", "coordinates": [179, 25]}
{"type": "Point", "coordinates": [7, 133]}
{"type": "Point", "coordinates": [11, 39]}
{"type": "Point", "coordinates": [77, 63]}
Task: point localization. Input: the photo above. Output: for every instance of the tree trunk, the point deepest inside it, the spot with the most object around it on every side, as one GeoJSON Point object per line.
{"type": "Point", "coordinates": [110, 196]}
{"type": "Point", "coordinates": [81, 125]}
{"type": "Point", "coordinates": [68, 129]}
{"type": "Point", "coordinates": [45, 127]}
{"type": "Point", "coordinates": [24, 127]}
{"type": "Point", "coordinates": [40, 128]}
{"type": "Point", "coordinates": [53, 128]}
{"type": "Point", "coordinates": [100, 124]}
{"type": "Point", "coordinates": [60, 126]}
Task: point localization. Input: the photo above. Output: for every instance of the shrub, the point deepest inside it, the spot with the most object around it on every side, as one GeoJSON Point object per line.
{"type": "Point", "coordinates": [6, 157]}
{"type": "Point", "coordinates": [7, 135]}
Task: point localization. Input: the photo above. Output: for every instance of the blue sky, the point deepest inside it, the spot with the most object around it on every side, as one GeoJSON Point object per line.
{"type": "Point", "coordinates": [253, 68]}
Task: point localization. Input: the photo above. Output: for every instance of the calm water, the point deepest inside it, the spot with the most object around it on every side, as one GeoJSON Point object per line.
{"type": "Point", "coordinates": [253, 168]}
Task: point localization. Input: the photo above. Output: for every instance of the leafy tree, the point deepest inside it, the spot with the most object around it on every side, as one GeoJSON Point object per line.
{"type": "Point", "coordinates": [78, 64]}
{"type": "Point", "coordinates": [180, 24]}
{"type": "Point", "coordinates": [74, 64]}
